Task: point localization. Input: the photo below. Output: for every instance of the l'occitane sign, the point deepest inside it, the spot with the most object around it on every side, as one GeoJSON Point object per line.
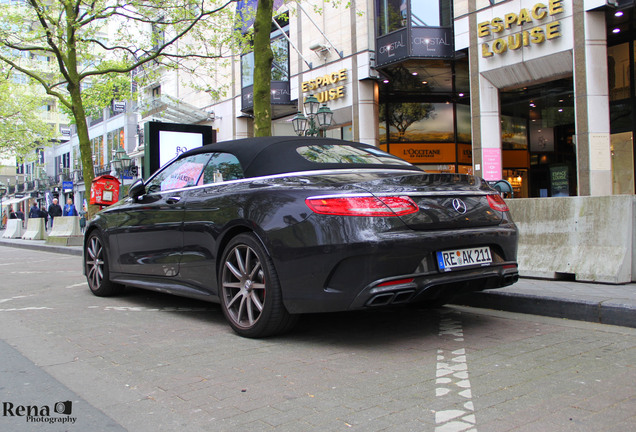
{"type": "Point", "coordinates": [511, 21]}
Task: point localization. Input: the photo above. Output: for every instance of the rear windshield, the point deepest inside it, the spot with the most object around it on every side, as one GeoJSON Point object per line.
{"type": "Point", "coordinates": [343, 154]}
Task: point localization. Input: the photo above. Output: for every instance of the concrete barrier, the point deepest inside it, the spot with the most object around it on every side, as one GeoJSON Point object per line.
{"type": "Point", "coordinates": [35, 229]}
{"type": "Point", "coordinates": [65, 231]}
{"type": "Point", "coordinates": [13, 229]}
{"type": "Point", "coordinates": [582, 238]}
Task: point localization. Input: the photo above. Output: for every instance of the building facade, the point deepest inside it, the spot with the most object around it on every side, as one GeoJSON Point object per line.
{"type": "Point", "coordinates": [541, 93]}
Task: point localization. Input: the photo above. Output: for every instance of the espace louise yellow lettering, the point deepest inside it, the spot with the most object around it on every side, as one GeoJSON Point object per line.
{"type": "Point", "coordinates": [511, 21]}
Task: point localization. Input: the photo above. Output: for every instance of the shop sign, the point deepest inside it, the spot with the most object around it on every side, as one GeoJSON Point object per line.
{"type": "Point", "coordinates": [392, 47]}
{"type": "Point", "coordinates": [538, 34]}
{"type": "Point", "coordinates": [559, 181]}
{"type": "Point", "coordinates": [118, 106]}
{"type": "Point", "coordinates": [428, 153]}
{"type": "Point", "coordinates": [464, 153]}
{"type": "Point", "coordinates": [319, 86]}
{"type": "Point", "coordinates": [280, 95]}
{"type": "Point", "coordinates": [431, 42]}
{"type": "Point", "coordinates": [491, 159]}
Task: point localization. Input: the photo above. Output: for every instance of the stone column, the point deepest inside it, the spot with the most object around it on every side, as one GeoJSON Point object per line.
{"type": "Point", "coordinates": [594, 168]}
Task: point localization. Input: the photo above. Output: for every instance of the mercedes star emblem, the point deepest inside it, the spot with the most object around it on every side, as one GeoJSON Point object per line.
{"type": "Point", "coordinates": [459, 206]}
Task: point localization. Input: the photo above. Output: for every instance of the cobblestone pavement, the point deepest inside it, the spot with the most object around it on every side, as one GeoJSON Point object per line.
{"type": "Point", "coordinates": [151, 362]}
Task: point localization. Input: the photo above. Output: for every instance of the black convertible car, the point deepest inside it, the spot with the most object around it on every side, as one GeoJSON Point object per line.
{"type": "Point", "coordinates": [274, 227]}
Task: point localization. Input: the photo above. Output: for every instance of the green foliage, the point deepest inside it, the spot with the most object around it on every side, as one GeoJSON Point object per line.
{"type": "Point", "coordinates": [84, 52]}
{"type": "Point", "coordinates": [21, 125]}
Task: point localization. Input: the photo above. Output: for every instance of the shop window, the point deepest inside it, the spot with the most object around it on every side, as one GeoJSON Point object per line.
{"type": "Point", "coordinates": [464, 130]}
{"type": "Point", "coordinates": [391, 16]}
{"type": "Point", "coordinates": [514, 133]}
{"type": "Point", "coordinates": [618, 69]}
{"type": "Point", "coordinates": [537, 127]}
{"type": "Point", "coordinates": [280, 66]}
{"type": "Point", "coordinates": [430, 13]}
{"type": "Point", "coordinates": [622, 148]}
{"type": "Point", "coordinates": [98, 151]}
{"type": "Point", "coordinates": [420, 122]}
{"type": "Point", "coordinates": [114, 141]}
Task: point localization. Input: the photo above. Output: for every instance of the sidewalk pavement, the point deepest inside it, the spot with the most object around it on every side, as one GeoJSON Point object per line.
{"type": "Point", "coordinates": [593, 302]}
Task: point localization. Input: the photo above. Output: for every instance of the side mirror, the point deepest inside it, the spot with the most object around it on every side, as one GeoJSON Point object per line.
{"type": "Point", "coordinates": [137, 189]}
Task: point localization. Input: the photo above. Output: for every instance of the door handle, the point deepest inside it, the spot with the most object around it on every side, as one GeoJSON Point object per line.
{"type": "Point", "coordinates": [173, 200]}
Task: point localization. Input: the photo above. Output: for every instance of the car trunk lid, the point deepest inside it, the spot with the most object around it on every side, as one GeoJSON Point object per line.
{"type": "Point", "coordinates": [445, 201]}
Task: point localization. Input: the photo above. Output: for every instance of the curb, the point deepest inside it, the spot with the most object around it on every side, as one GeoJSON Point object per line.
{"type": "Point", "coordinates": [43, 247]}
{"type": "Point", "coordinates": [603, 312]}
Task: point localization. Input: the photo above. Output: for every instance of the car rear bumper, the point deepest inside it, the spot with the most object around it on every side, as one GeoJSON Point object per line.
{"type": "Point", "coordinates": [435, 287]}
{"type": "Point", "coordinates": [355, 273]}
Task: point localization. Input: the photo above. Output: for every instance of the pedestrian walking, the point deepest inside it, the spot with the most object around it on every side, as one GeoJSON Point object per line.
{"type": "Point", "coordinates": [54, 210]}
{"type": "Point", "coordinates": [82, 220]}
{"type": "Point", "coordinates": [69, 208]}
{"type": "Point", "coordinates": [34, 212]}
{"type": "Point", "coordinates": [20, 215]}
{"type": "Point", "coordinates": [44, 214]}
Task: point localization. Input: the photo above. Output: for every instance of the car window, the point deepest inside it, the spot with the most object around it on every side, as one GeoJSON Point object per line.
{"type": "Point", "coordinates": [222, 167]}
{"type": "Point", "coordinates": [344, 154]}
{"type": "Point", "coordinates": [179, 174]}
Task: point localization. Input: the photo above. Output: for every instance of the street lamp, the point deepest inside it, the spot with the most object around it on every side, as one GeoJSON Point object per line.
{"type": "Point", "coordinates": [3, 190]}
{"type": "Point", "coordinates": [121, 162]}
{"type": "Point", "coordinates": [316, 121]}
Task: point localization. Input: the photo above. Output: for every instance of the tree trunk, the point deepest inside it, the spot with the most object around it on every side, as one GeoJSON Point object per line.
{"type": "Point", "coordinates": [86, 151]}
{"type": "Point", "coordinates": [263, 58]}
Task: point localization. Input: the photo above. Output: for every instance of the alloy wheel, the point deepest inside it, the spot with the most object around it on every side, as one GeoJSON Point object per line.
{"type": "Point", "coordinates": [95, 263]}
{"type": "Point", "coordinates": [243, 285]}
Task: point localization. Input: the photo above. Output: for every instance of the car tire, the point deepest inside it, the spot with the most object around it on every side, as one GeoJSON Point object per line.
{"type": "Point", "coordinates": [250, 291]}
{"type": "Point", "coordinates": [96, 267]}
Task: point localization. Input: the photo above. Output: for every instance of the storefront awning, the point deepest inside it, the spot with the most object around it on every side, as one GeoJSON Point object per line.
{"type": "Point", "coordinates": [172, 110]}
{"type": "Point", "coordinates": [10, 201]}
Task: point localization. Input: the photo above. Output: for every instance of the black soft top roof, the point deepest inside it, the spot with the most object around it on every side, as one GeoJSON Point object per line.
{"type": "Point", "coordinates": [277, 155]}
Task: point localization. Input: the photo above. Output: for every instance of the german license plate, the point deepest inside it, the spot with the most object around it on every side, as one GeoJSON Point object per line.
{"type": "Point", "coordinates": [452, 259]}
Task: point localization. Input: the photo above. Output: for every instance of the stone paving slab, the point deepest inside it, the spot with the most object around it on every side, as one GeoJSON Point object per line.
{"type": "Point", "coordinates": [592, 302]}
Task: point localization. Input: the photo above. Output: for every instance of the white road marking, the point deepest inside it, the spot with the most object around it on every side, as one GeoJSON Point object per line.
{"type": "Point", "coordinates": [146, 309]}
{"type": "Point", "coordinates": [452, 379]}
{"type": "Point", "coordinates": [12, 298]}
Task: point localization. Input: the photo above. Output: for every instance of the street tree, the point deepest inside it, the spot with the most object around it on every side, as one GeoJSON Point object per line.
{"type": "Point", "coordinates": [78, 48]}
{"type": "Point", "coordinates": [263, 57]}
{"type": "Point", "coordinates": [22, 128]}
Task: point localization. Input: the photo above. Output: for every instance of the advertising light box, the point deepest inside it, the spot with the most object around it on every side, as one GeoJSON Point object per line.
{"type": "Point", "coordinates": [165, 141]}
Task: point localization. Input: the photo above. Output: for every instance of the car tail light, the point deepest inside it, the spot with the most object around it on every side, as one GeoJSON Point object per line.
{"type": "Point", "coordinates": [496, 202]}
{"type": "Point", "coordinates": [397, 282]}
{"type": "Point", "coordinates": [363, 206]}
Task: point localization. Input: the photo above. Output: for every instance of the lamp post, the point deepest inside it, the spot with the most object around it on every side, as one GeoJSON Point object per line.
{"type": "Point", "coordinates": [121, 163]}
{"type": "Point", "coordinates": [3, 190]}
{"type": "Point", "coordinates": [316, 121]}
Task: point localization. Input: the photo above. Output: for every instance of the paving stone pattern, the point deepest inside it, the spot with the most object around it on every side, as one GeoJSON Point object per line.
{"type": "Point", "coordinates": [152, 362]}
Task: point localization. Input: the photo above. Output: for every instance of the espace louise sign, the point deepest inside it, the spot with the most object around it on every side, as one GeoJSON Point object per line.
{"type": "Point", "coordinates": [533, 25]}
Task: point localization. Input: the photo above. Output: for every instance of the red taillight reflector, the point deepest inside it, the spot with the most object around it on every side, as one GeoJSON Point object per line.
{"type": "Point", "coordinates": [363, 206]}
{"type": "Point", "coordinates": [396, 282]}
{"type": "Point", "coordinates": [510, 266]}
{"type": "Point", "coordinates": [496, 202]}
